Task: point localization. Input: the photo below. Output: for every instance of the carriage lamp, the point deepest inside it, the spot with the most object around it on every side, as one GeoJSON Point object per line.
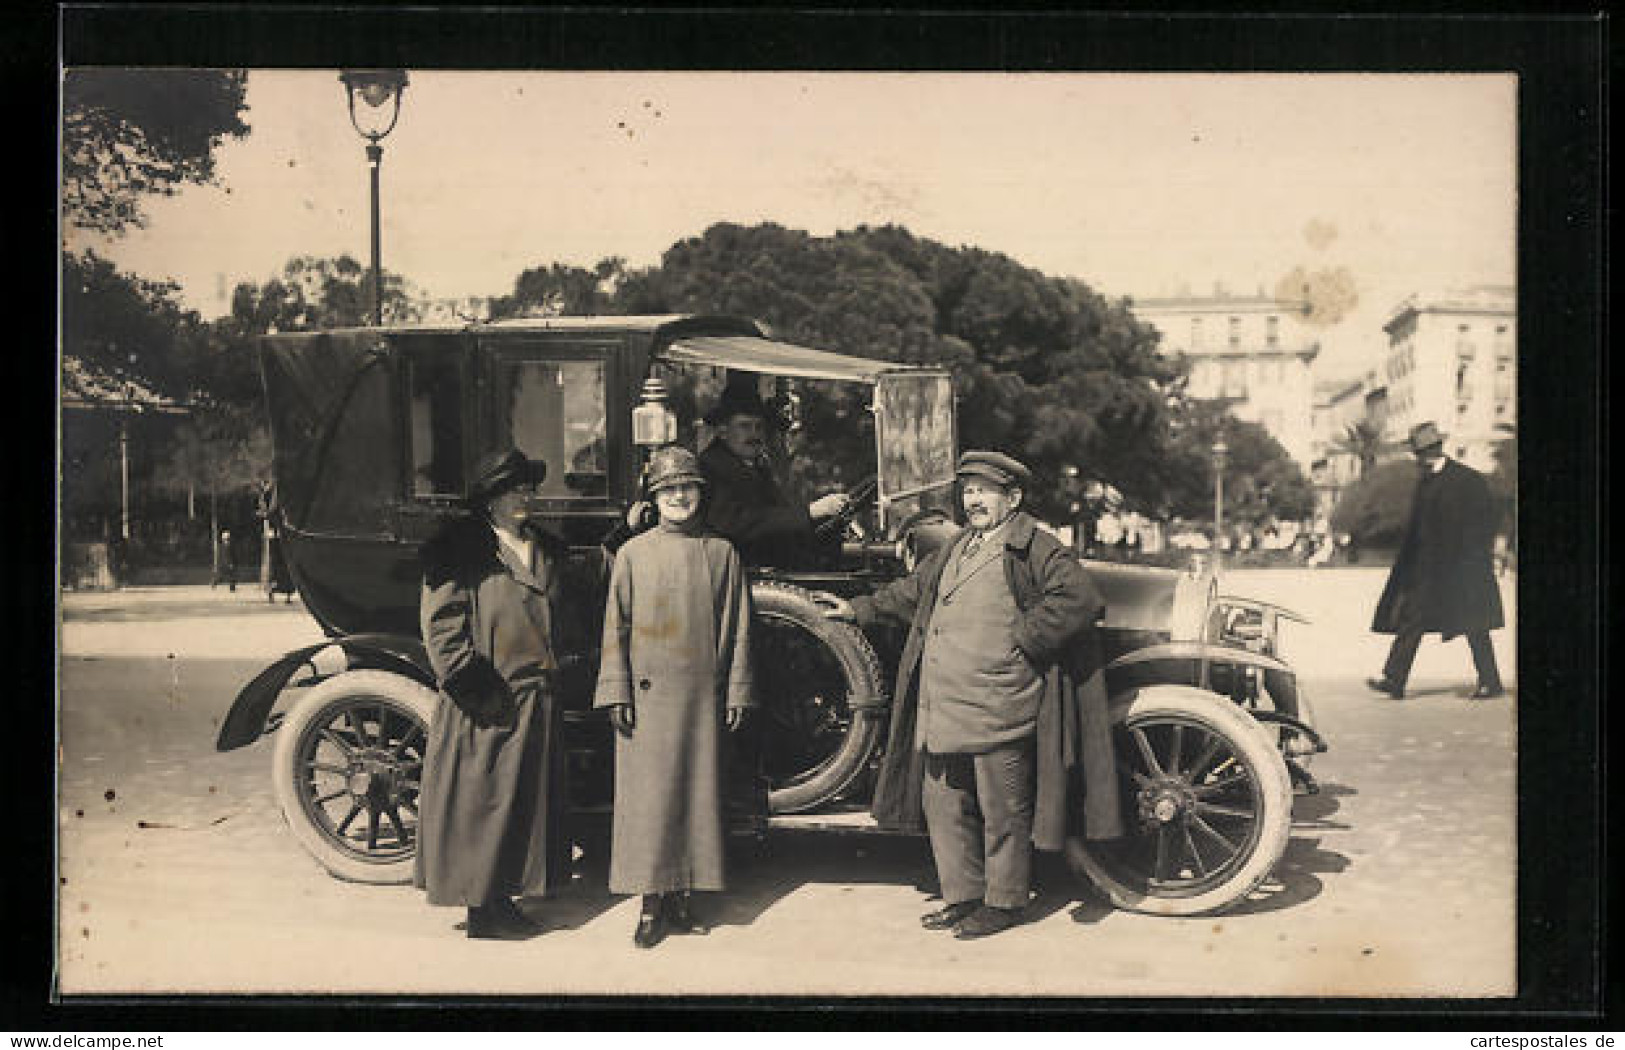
{"type": "Point", "coordinates": [379, 91]}
{"type": "Point", "coordinates": [653, 421]}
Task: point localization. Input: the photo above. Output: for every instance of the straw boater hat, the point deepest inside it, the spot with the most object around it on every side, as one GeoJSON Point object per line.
{"type": "Point", "coordinates": [1002, 470]}
{"type": "Point", "coordinates": [1424, 436]}
{"type": "Point", "coordinates": [673, 465]}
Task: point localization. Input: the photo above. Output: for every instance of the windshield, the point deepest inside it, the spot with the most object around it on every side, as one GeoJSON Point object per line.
{"type": "Point", "coordinates": [914, 427]}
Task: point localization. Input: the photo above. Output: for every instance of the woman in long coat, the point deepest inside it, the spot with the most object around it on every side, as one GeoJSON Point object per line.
{"type": "Point", "coordinates": [675, 668]}
{"type": "Point", "coordinates": [492, 798]}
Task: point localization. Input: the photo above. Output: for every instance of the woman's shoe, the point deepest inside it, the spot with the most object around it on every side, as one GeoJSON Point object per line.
{"type": "Point", "coordinates": [651, 929]}
{"type": "Point", "coordinates": [490, 923]}
{"type": "Point", "coordinates": [681, 920]}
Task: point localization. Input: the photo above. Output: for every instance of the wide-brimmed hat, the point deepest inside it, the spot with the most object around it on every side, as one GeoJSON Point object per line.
{"type": "Point", "coordinates": [499, 471]}
{"type": "Point", "coordinates": [996, 467]}
{"type": "Point", "coordinates": [673, 465]}
{"type": "Point", "coordinates": [738, 398]}
{"type": "Point", "coordinates": [1424, 435]}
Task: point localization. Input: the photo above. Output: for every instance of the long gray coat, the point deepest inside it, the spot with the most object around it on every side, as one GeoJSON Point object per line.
{"type": "Point", "coordinates": [1077, 790]}
{"type": "Point", "coordinates": [493, 791]}
{"type": "Point", "coordinates": [1444, 577]}
{"type": "Point", "coordinates": [677, 648]}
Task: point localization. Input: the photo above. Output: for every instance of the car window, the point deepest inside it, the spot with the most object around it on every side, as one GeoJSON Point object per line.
{"type": "Point", "coordinates": [554, 411]}
{"type": "Point", "coordinates": [436, 420]}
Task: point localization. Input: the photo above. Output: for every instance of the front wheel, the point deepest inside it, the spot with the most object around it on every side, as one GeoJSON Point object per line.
{"type": "Point", "coordinates": [347, 770]}
{"type": "Point", "coordinates": [819, 692]}
{"type": "Point", "coordinates": [1208, 801]}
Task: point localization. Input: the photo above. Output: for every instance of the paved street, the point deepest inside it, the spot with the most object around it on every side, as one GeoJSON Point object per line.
{"type": "Point", "coordinates": [178, 875]}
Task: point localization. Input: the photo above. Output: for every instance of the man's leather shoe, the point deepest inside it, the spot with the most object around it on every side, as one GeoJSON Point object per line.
{"type": "Point", "coordinates": [651, 930]}
{"type": "Point", "coordinates": [1486, 692]}
{"type": "Point", "coordinates": [949, 917]}
{"type": "Point", "coordinates": [1383, 685]}
{"type": "Point", "coordinates": [679, 919]}
{"type": "Point", "coordinates": [986, 921]}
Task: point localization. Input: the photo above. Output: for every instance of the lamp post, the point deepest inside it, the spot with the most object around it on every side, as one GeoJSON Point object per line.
{"type": "Point", "coordinates": [1220, 450]}
{"type": "Point", "coordinates": [380, 93]}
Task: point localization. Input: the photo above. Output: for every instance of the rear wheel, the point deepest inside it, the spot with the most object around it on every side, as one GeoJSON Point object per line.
{"type": "Point", "coordinates": [819, 696]}
{"type": "Point", "coordinates": [347, 770]}
{"type": "Point", "coordinates": [1208, 800]}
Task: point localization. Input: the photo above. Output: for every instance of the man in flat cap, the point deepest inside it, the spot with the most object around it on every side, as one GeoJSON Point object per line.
{"type": "Point", "coordinates": [999, 717]}
{"type": "Point", "coordinates": [743, 500]}
{"type": "Point", "coordinates": [1444, 577]}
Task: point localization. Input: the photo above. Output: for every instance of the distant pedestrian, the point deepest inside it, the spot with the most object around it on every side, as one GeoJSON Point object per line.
{"type": "Point", "coordinates": [1443, 579]}
{"type": "Point", "coordinates": [225, 564]}
{"type": "Point", "coordinates": [492, 802]}
{"type": "Point", "coordinates": [675, 670]}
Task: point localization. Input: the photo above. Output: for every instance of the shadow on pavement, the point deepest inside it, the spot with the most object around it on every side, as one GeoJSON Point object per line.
{"type": "Point", "coordinates": [1296, 877]}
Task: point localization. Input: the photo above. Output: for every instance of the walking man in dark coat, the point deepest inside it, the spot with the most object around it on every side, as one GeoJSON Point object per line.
{"type": "Point", "coordinates": [743, 501]}
{"type": "Point", "coordinates": [1444, 578]}
{"type": "Point", "coordinates": [999, 718]}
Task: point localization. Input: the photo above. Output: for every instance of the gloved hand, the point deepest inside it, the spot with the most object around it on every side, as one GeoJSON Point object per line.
{"type": "Point", "coordinates": [834, 607]}
{"type": "Point", "coordinates": [482, 694]}
{"type": "Point", "coordinates": [623, 719]}
{"type": "Point", "coordinates": [828, 506]}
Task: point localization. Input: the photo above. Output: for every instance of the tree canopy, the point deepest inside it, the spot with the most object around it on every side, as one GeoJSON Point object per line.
{"type": "Point", "coordinates": [1045, 367]}
{"type": "Point", "coordinates": [130, 133]}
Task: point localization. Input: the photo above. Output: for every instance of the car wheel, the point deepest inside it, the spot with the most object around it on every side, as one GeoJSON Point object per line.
{"type": "Point", "coordinates": [819, 698]}
{"type": "Point", "coordinates": [347, 770]}
{"type": "Point", "coordinates": [1207, 800]}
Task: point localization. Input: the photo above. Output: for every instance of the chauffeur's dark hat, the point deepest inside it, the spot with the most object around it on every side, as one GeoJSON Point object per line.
{"type": "Point", "coordinates": [994, 466]}
{"type": "Point", "coordinates": [738, 398]}
{"type": "Point", "coordinates": [499, 471]}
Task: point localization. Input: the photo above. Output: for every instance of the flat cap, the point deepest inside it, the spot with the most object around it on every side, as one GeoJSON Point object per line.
{"type": "Point", "coordinates": [994, 466]}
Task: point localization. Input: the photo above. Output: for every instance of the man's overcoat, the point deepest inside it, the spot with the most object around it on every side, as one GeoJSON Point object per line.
{"type": "Point", "coordinates": [677, 648]}
{"type": "Point", "coordinates": [1444, 576]}
{"type": "Point", "coordinates": [492, 800]}
{"type": "Point", "coordinates": [1077, 790]}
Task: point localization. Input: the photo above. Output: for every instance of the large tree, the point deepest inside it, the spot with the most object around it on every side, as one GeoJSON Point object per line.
{"type": "Point", "coordinates": [131, 133]}
{"type": "Point", "coordinates": [313, 293]}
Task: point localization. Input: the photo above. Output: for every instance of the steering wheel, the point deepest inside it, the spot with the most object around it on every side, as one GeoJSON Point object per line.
{"type": "Point", "coordinates": [861, 498]}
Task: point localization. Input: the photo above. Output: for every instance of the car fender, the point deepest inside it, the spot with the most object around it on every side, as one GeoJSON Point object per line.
{"type": "Point", "coordinates": [250, 713]}
{"type": "Point", "coordinates": [1227, 654]}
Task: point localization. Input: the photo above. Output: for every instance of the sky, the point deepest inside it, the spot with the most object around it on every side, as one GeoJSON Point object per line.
{"type": "Point", "coordinates": [1137, 184]}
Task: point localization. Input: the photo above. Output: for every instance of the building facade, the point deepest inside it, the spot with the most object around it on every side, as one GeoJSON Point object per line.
{"type": "Point", "coordinates": [1251, 351]}
{"type": "Point", "coordinates": [1452, 359]}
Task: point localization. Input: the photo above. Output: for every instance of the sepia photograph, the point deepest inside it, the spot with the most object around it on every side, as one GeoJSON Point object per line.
{"type": "Point", "coordinates": [990, 535]}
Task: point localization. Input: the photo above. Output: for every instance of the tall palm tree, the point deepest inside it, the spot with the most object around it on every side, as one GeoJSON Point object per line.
{"type": "Point", "coordinates": [1364, 442]}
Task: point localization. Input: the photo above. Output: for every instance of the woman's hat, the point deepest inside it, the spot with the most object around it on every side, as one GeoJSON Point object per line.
{"type": "Point", "coordinates": [673, 465]}
{"type": "Point", "coordinates": [500, 471]}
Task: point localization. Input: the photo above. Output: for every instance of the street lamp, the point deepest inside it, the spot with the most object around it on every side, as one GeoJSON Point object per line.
{"type": "Point", "coordinates": [1220, 450]}
{"type": "Point", "coordinates": [380, 93]}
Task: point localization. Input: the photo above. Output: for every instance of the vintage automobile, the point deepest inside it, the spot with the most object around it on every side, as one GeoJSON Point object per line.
{"type": "Point", "coordinates": [375, 433]}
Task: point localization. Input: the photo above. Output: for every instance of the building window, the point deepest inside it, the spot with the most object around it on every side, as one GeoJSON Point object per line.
{"type": "Point", "coordinates": [1235, 331]}
{"type": "Point", "coordinates": [1272, 330]}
